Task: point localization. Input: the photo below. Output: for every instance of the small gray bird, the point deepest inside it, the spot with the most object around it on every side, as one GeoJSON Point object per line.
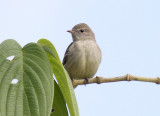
{"type": "Point", "coordinates": [83, 56]}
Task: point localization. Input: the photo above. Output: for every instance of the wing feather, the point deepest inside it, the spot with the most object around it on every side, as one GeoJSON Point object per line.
{"type": "Point", "coordinates": [67, 54]}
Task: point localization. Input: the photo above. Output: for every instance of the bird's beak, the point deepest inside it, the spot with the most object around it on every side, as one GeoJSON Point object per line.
{"type": "Point", "coordinates": [70, 31]}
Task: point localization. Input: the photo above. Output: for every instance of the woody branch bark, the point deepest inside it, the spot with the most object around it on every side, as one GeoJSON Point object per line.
{"type": "Point", "coordinates": [127, 77]}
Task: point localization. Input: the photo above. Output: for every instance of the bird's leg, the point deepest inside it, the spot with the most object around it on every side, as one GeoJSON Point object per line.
{"type": "Point", "coordinates": [86, 80]}
{"type": "Point", "coordinates": [71, 79]}
{"type": "Point", "coordinates": [73, 82]}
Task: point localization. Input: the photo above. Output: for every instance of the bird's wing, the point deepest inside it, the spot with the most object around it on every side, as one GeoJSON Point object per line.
{"type": "Point", "coordinates": [66, 55]}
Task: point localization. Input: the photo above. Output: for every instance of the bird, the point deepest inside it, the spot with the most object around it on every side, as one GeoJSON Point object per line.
{"type": "Point", "coordinates": [83, 56]}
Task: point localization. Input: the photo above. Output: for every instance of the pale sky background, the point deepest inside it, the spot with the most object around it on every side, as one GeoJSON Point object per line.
{"type": "Point", "coordinates": [127, 31]}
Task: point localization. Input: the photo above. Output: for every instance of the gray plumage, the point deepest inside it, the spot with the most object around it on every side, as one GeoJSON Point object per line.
{"type": "Point", "coordinates": [83, 56]}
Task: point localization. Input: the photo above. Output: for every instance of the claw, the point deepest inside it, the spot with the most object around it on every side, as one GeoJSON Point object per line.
{"type": "Point", "coordinates": [71, 79]}
{"type": "Point", "coordinates": [86, 81]}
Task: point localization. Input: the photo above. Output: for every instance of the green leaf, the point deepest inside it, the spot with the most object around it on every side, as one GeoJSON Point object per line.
{"type": "Point", "coordinates": [33, 94]}
{"type": "Point", "coordinates": [62, 77]}
{"type": "Point", "coordinates": [59, 104]}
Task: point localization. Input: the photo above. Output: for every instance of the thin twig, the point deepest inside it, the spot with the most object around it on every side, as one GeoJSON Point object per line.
{"type": "Point", "coordinates": [127, 77]}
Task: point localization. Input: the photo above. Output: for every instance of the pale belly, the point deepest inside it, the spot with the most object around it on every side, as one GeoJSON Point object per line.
{"type": "Point", "coordinates": [84, 61]}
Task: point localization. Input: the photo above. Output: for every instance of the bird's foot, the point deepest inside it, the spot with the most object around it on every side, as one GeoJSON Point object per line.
{"type": "Point", "coordinates": [72, 79]}
{"type": "Point", "coordinates": [74, 86]}
{"type": "Point", "coordinates": [86, 81]}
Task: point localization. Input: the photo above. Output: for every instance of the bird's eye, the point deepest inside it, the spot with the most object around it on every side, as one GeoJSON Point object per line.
{"type": "Point", "coordinates": [82, 30]}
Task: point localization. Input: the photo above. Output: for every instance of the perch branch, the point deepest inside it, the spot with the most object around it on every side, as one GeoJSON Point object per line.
{"type": "Point", "coordinates": [127, 77]}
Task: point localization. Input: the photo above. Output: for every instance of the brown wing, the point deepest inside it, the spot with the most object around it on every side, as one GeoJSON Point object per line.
{"type": "Point", "coordinates": [66, 55]}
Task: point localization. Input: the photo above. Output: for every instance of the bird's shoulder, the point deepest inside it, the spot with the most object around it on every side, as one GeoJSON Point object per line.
{"type": "Point", "coordinates": [74, 46]}
{"type": "Point", "coordinates": [67, 53]}
{"type": "Point", "coordinates": [79, 46]}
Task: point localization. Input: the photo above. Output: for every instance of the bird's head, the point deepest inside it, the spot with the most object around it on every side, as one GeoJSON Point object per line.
{"type": "Point", "coordinates": [82, 32]}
